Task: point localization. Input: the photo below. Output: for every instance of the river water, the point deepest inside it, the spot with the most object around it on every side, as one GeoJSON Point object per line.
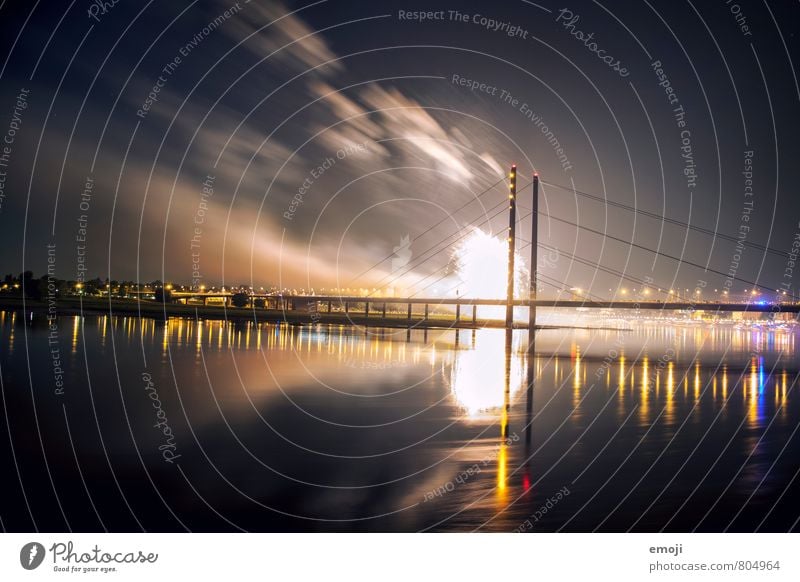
{"type": "Point", "coordinates": [121, 424]}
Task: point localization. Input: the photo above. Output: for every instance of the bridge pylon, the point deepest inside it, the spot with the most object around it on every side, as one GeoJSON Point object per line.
{"type": "Point", "coordinates": [534, 257]}
{"type": "Point", "coordinates": [512, 224]}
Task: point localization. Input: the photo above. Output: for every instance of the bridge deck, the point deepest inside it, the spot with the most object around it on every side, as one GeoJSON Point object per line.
{"type": "Point", "coordinates": [339, 300]}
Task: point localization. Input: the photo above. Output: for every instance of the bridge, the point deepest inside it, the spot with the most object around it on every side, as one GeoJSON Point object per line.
{"type": "Point", "coordinates": [374, 305]}
{"type": "Point", "coordinates": [463, 311]}
{"type": "Point", "coordinates": [448, 312]}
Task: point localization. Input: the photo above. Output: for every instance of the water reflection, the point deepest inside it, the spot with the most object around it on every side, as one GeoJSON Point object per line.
{"type": "Point", "coordinates": [669, 406]}
{"type": "Point", "coordinates": [481, 386]}
{"type": "Point", "coordinates": [486, 373]}
{"type": "Point", "coordinates": [592, 399]}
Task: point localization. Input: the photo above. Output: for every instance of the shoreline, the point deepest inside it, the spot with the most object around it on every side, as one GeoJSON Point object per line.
{"type": "Point", "coordinates": [162, 312]}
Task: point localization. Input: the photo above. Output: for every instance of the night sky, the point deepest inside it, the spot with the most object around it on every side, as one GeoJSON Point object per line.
{"type": "Point", "coordinates": [297, 144]}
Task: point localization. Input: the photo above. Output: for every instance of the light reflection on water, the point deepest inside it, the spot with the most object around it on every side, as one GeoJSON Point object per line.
{"type": "Point", "coordinates": [604, 412]}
